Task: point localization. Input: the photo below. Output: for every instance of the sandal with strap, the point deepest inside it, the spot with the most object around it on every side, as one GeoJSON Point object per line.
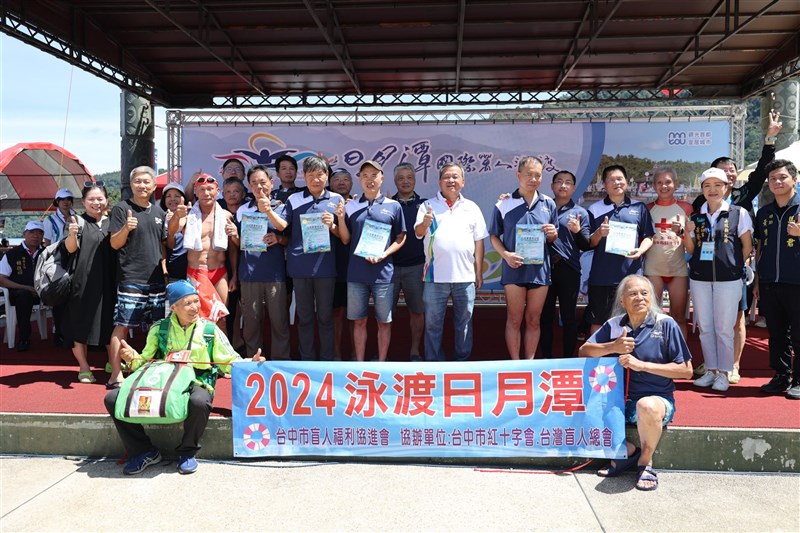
{"type": "Point", "coordinates": [86, 377]}
{"type": "Point", "coordinates": [621, 465]}
{"type": "Point", "coordinates": [646, 473]}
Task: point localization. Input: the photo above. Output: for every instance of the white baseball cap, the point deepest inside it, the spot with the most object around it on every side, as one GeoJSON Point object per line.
{"type": "Point", "coordinates": [34, 225]}
{"type": "Point", "coordinates": [64, 193]}
{"type": "Point", "coordinates": [714, 173]}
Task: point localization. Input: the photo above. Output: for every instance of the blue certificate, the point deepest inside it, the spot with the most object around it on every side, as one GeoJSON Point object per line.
{"type": "Point", "coordinates": [316, 235]}
{"type": "Point", "coordinates": [254, 227]}
{"type": "Point", "coordinates": [621, 239]}
{"type": "Point", "coordinates": [372, 242]}
{"type": "Point", "coordinates": [530, 243]}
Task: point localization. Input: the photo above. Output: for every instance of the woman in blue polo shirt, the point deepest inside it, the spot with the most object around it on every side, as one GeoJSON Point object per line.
{"type": "Point", "coordinates": [650, 345]}
{"type": "Point", "coordinates": [522, 227]}
{"type": "Point", "coordinates": [719, 239]}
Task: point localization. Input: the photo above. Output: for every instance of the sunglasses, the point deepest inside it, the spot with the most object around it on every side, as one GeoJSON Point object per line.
{"type": "Point", "coordinates": [89, 184]}
{"type": "Point", "coordinates": [206, 179]}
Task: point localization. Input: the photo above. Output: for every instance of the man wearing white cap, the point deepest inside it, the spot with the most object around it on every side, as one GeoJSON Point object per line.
{"type": "Point", "coordinates": [53, 232]}
{"type": "Point", "coordinates": [16, 274]}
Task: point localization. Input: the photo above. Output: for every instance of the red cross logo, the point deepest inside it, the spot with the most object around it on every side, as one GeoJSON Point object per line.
{"type": "Point", "coordinates": [664, 225]}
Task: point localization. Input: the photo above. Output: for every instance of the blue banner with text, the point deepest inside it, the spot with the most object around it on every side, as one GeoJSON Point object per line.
{"type": "Point", "coordinates": [538, 408]}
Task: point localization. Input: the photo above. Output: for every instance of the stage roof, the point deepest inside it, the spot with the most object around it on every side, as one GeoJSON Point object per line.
{"type": "Point", "coordinates": [241, 53]}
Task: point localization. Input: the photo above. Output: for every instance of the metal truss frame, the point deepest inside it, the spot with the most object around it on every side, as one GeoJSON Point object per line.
{"type": "Point", "coordinates": [176, 120]}
{"type": "Point", "coordinates": [456, 98]}
{"type": "Point", "coordinates": [66, 51]}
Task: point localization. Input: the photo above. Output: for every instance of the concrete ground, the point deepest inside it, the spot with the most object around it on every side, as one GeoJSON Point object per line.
{"type": "Point", "coordinates": [78, 494]}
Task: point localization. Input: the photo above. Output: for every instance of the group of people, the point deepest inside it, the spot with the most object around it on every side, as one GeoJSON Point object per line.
{"type": "Point", "coordinates": [253, 251]}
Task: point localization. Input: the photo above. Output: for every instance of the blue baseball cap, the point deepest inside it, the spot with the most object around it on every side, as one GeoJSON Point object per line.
{"type": "Point", "coordinates": [179, 289]}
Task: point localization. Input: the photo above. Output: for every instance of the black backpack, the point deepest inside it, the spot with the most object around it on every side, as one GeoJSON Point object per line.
{"type": "Point", "coordinates": [52, 277]}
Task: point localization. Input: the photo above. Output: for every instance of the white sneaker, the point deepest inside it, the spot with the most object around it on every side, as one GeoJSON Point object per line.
{"type": "Point", "coordinates": [706, 380]}
{"type": "Point", "coordinates": [720, 382]}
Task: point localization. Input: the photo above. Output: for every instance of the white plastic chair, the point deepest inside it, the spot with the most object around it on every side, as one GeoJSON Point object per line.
{"type": "Point", "coordinates": [39, 314]}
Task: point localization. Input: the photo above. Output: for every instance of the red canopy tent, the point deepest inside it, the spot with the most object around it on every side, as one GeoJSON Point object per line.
{"type": "Point", "coordinates": [32, 173]}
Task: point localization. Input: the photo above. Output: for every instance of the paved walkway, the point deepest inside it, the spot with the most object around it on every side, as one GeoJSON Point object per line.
{"type": "Point", "coordinates": [75, 494]}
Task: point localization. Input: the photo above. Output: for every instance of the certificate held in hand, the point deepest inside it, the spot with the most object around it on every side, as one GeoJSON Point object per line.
{"type": "Point", "coordinates": [530, 243]}
{"type": "Point", "coordinates": [622, 237]}
{"type": "Point", "coordinates": [316, 236]}
{"type": "Point", "coordinates": [373, 239]}
{"type": "Point", "coordinates": [254, 227]}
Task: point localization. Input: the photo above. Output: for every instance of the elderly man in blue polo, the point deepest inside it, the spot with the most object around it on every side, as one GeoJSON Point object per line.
{"type": "Point", "coordinates": [209, 354]}
{"type": "Point", "coordinates": [652, 349]}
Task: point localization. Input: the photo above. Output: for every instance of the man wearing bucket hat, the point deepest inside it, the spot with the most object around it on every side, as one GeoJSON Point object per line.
{"type": "Point", "coordinates": [210, 355]}
{"type": "Point", "coordinates": [16, 274]}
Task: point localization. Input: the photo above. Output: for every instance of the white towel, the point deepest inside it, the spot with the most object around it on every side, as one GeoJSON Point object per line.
{"type": "Point", "coordinates": [193, 234]}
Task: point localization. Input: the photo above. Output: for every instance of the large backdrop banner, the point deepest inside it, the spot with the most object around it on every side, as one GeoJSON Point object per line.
{"type": "Point", "coordinates": [488, 151]}
{"type": "Point", "coordinates": [536, 408]}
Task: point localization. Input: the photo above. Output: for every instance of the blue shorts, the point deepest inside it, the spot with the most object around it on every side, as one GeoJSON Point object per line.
{"type": "Point", "coordinates": [409, 280]}
{"type": "Point", "coordinates": [630, 411]}
{"type": "Point", "coordinates": [358, 300]}
{"type": "Point", "coordinates": [139, 304]}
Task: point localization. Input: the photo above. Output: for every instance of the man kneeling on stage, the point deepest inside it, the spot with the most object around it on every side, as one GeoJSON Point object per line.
{"type": "Point", "coordinates": [209, 353]}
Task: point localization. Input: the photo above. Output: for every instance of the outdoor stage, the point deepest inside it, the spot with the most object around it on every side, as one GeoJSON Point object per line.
{"type": "Point", "coordinates": [38, 390]}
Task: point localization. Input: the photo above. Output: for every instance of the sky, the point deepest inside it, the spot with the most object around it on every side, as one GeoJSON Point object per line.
{"type": "Point", "coordinates": [38, 105]}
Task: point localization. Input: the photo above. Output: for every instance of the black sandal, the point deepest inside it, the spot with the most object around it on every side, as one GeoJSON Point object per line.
{"type": "Point", "coordinates": [621, 465]}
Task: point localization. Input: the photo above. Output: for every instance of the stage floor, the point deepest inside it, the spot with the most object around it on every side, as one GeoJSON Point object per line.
{"type": "Point", "coordinates": [43, 380]}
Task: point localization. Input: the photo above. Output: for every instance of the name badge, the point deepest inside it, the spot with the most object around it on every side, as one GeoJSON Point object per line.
{"type": "Point", "coordinates": [181, 356]}
{"type": "Point", "coordinates": [707, 251]}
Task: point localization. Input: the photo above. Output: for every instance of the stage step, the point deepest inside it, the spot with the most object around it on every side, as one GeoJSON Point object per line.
{"type": "Point", "coordinates": [681, 448]}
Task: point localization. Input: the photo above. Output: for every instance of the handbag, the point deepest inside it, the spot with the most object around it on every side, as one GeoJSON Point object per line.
{"type": "Point", "coordinates": [158, 392]}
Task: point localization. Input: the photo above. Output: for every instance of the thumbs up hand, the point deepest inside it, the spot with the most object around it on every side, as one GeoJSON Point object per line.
{"type": "Point", "coordinates": [132, 222]}
{"type": "Point", "coordinates": [230, 229]}
{"type": "Point", "coordinates": [126, 353]}
{"type": "Point", "coordinates": [604, 228]}
{"type": "Point", "coordinates": [73, 226]}
{"type": "Point", "coordinates": [258, 358]}
{"type": "Point", "coordinates": [182, 209]}
{"type": "Point", "coordinates": [427, 220]}
{"type": "Point", "coordinates": [340, 210]}
{"type": "Point", "coordinates": [574, 224]}
{"type": "Point", "coordinates": [624, 344]}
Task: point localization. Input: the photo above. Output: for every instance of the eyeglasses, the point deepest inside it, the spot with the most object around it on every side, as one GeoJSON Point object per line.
{"type": "Point", "coordinates": [233, 170]}
{"type": "Point", "coordinates": [90, 184]}
{"type": "Point", "coordinates": [206, 179]}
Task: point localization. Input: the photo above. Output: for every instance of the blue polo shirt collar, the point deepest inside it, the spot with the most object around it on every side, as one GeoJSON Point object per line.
{"type": "Point", "coordinates": [648, 321]}
{"type": "Point", "coordinates": [567, 206]}
{"type": "Point", "coordinates": [537, 198]}
{"type": "Point", "coordinates": [625, 202]}
{"type": "Point", "coordinates": [326, 194]}
{"type": "Point", "coordinates": [378, 199]}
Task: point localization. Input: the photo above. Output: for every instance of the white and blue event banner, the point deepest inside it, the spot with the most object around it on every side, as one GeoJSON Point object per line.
{"type": "Point", "coordinates": [537, 408]}
{"type": "Point", "coordinates": [488, 151]}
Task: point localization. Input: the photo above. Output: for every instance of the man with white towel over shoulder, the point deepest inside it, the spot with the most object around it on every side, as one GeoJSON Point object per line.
{"type": "Point", "coordinates": [209, 229]}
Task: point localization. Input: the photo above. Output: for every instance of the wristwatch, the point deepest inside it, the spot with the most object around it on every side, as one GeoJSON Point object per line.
{"type": "Point", "coordinates": [770, 139]}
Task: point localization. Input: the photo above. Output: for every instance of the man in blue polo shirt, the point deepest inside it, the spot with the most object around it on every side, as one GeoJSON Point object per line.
{"type": "Point", "coordinates": [619, 216]}
{"type": "Point", "coordinates": [314, 270]}
{"type": "Point", "coordinates": [409, 260]}
{"type": "Point", "coordinates": [565, 253]}
{"type": "Point", "coordinates": [652, 349]}
{"type": "Point", "coordinates": [262, 268]}
{"type": "Point", "coordinates": [377, 230]}
{"type": "Point", "coordinates": [777, 232]}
